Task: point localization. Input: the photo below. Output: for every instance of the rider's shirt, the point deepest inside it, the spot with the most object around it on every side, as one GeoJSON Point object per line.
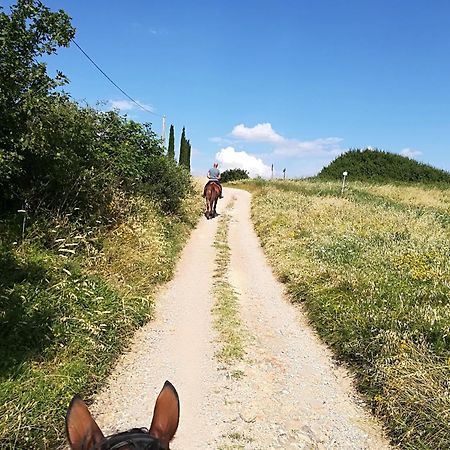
{"type": "Point", "coordinates": [213, 174]}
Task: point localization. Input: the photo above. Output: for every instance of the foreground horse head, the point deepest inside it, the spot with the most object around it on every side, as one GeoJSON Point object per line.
{"type": "Point", "coordinates": [83, 433]}
{"type": "Point", "coordinates": [212, 192]}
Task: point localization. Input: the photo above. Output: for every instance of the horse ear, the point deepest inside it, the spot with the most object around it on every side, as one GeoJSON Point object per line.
{"type": "Point", "coordinates": [81, 429]}
{"type": "Point", "coordinates": [166, 414]}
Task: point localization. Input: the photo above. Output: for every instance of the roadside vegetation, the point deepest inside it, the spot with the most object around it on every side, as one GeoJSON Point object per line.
{"type": "Point", "coordinates": [226, 308]}
{"type": "Point", "coordinates": [93, 214]}
{"type": "Point", "coordinates": [71, 295]}
{"type": "Point", "coordinates": [233, 175]}
{"type": "Point", "coordinates": [372, 269]}
{"type": "Point", "coordinates": [380, 166]}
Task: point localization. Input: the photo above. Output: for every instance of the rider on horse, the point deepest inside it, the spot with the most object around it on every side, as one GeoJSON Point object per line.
{"type": "Point", "coordinates": [214, 177]}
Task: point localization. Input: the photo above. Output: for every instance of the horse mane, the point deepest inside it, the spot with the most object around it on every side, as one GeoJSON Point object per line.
{"type": "Point", "coordinates": [136, 438]}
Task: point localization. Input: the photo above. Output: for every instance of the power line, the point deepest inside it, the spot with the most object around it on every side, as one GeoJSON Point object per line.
{"type": "Point", "coordinates": [118, 87]}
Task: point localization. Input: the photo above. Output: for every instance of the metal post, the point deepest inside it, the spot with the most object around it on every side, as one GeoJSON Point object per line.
{"type": "Point", "coordinates": [23, 211]}
{"type": "Point", "coordinates": [343, 181]}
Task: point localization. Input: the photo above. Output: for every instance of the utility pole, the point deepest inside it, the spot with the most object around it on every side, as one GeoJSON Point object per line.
{"type": "Point", "coordinates": [271, 176]}
{"type": "Point", "coordinates": [163, 132]}
{"type": "Point", "coordinates": [284, 174]}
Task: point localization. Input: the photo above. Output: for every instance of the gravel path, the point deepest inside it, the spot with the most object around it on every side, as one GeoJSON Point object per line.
{"type": "Point", "coordinates": [286, 393]}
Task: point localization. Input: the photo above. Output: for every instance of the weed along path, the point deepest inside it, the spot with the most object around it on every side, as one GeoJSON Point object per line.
{"type": "Point", "coordinates": [249, 371]}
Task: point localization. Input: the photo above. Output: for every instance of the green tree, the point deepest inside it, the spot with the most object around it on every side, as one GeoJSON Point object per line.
{"type": "Point", "coordinates": [27, 33]}
{"type": "Point", "coordinates": [188, 155]}
{"type": "Point", "coordinates": [183, 149]}
{"type": "Point", "coordinates": [55, 155]}
{"type": "Point", "coordinates": [233, 175]}
{"type": "Point", "coordinates": [171, 148]}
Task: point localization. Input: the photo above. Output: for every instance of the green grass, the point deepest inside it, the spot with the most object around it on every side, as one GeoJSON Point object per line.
{"type": "Point", "coordinates": [235, 440]}
{"type": "Point", "coordinates": [373, 270]}
{"type": "Point", "coordinates": [226, 308]}
{"type": "Point", "coordinates": [70, 298]}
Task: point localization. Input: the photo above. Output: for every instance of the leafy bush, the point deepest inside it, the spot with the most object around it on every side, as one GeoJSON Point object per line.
{"type": "Point", "coordinates": [167, 183]}
{"type": "Point", "coordinates": [76, 157]}
{"type": "Point", "coordinates": [233, 175]}
{"type": "Point", "coordinates": [56, 155]}
{"type": "Point", "coordinates": [377, 165]}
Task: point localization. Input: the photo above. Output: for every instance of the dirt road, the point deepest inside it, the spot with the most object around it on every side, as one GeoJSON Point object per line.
{"type": "Point", "coordinates": [289, 393]}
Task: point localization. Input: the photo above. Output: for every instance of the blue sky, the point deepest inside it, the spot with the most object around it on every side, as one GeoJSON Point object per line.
{"type": "Point", "coordinates": [288, 82]}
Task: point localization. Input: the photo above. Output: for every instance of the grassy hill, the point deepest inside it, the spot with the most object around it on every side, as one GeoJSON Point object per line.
{"type": "Point", "coordinates": [377, 165]}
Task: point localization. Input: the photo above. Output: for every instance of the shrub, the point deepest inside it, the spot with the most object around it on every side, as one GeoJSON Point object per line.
{"type": "Point", "coordinates": [167, 183]}
{"type": "Point", "coordinates": [55, 155]}
{"type": "Point", "coordinates": [233, 175]}
{"type": "Point", "coordinates": [76, 157]}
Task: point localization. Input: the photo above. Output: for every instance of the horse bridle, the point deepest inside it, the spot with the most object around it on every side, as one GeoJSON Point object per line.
{"type": "Point", "coordinates": [137, 438]}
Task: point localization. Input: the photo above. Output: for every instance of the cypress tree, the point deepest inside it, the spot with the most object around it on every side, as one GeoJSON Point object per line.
{"type": "Point", "coordinates": [182, 158]}
{"type": "Point", "coordinates": [171, 148]}
{"type": "Point", "coordinates": [185, 151]}
{"type": "Point", "coordinates": [188, 155]}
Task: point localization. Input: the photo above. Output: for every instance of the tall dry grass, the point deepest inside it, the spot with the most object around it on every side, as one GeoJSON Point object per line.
{"type": "Point", "coordinates": [70, 298]}
{"type": "Point", "coordinates": [374, 276]}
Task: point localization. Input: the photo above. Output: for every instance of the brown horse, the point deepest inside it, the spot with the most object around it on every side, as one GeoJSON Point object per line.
{"type": "Point", "coordinates": [84, 434]}
{"type": "Point", "coordinates": [212, 192]}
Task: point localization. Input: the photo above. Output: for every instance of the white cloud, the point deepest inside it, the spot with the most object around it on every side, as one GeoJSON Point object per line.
{"type": "Point", "coordinates": [294, 147]}
{"type": "Point", "coordinates": [410, 153]}
{"type": "Point", "coordinates": [128, 105]}
{"type": "Point", "coordinates": [262, 132]}
{"type": "Point", "coordinates": [301, 158]}
{"type": "Point", "coordinates": [229, 158]}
